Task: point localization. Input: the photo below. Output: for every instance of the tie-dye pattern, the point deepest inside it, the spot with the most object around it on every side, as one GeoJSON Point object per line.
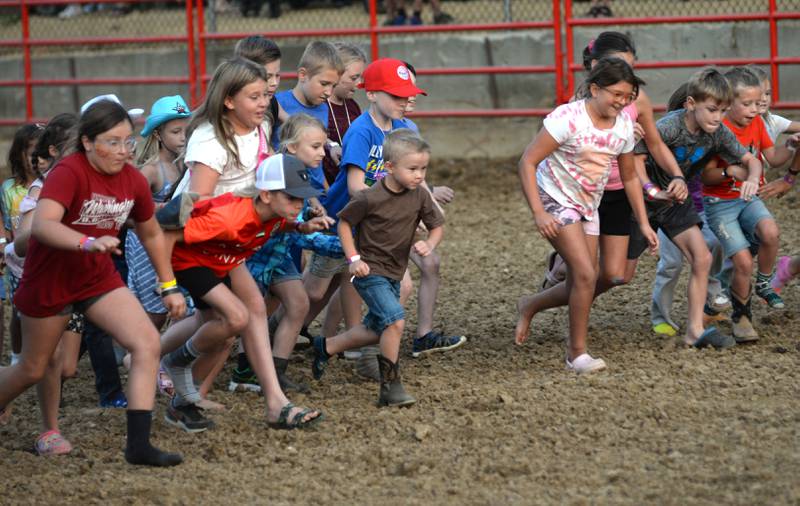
{"type": "Point", "coordinates": [576, 173]}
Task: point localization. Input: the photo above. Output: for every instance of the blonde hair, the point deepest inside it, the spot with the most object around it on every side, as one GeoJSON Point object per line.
{"type": "Point", "coordinates": [229, 78]}
{"type": "Point", "coordinates": [709, 83]}
{"type": "Point", "coordinates": [293, 129]}
{"type": "Point", "coordinates": [350, 53]}
{"type": "Point", "coordinates": [401, 142]}
{"type": "Point", "coordinates": [320, 56]}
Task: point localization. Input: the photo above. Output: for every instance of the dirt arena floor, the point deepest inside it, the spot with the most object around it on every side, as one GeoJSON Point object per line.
{"type": "Point", "coordinates": [495, 423]}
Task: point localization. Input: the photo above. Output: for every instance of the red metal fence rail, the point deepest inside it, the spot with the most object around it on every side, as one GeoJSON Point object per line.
{"type": "Point", "coordinates": [772, 15]}
{"type": "Point", "coordinates": [195, 38]}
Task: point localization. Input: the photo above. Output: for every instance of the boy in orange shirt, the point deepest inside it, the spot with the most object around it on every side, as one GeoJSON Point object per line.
{"type": "Point", "coordinates": [739, 218]}
{"type": "Point", "coordinates": [218, 237]}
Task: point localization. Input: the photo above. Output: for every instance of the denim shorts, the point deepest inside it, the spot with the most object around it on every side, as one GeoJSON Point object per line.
{"type": "Point", "coordinates": [281, 273]}
{"type": "Point", "coordinates": [382, 296]}
{"type": "Point", "coordinates": [734, 222]}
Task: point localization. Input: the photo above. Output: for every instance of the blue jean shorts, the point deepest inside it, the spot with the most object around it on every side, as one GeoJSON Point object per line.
{"type": "Point", "coordinates": [734, 222]}
{"type": "Point", "coordinates": [382, 296]}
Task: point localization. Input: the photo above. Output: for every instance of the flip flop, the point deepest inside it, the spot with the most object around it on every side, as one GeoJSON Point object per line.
{"type": "Point", "coordinates": [713, 337]}
{"type": "Point", "coordinates": [551, 275]}
{"type": "Point", "coordinates": [296, 422]}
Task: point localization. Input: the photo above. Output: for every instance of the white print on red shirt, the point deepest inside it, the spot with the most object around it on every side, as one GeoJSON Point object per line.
{"type": "Point", "coordinates": [104, 212]}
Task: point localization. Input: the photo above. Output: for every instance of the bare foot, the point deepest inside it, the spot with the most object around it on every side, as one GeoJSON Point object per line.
{"type": "Point", "coordinates": [525, 315]}
{"type": "Point", "coordinates": [210, 405]}
{"type": "Point", "coordinates": [5, 415]}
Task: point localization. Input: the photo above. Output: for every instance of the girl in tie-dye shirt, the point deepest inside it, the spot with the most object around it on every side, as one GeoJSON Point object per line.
{"type": "Point", "coordinates": [563, 172]}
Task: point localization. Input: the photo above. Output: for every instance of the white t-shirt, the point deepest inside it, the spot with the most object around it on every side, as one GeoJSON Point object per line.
{"type": "Point", "coordinates": [575, 174]}
{"type": "Point", "coordinates": [776, 125]}
{"type": "Point", "coordinates": [205, 148]}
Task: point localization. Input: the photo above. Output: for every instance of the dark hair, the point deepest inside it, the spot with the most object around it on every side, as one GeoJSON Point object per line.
{"type": "Point", "coordinates": [610, 71]}
{"type": "Point", "coordinates": [16, 153]}
{"type": "Point", "coordinates": [257, 49]}
{"type": "Point", "coordinates": [605, 44]}
{"type": "Point", "coordinates": [56, 133]}
{"type": "Point", "coordinates": [742, 77]}
{"type": "Point", "coordinates": [410, 68]}
{"type": "Point", "coordinates": [98, 118]}
{"type": "Point", "coordinates": [678, 98]}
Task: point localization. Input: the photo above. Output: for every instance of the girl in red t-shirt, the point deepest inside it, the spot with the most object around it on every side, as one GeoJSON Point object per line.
{"type": "Point", "coordinates": [85, 201]}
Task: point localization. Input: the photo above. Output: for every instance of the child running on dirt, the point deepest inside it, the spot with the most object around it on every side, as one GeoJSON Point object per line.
{"type": "Point", "coordinates": [217, 239]}
{"type": "Point", "coordinates": [563, 172]}
{"type": "Point", "coordinates": [384, 218]}
{"type": "Point", "coordinates": [69, 267]}
{"type": "Point", "coordinates": [739, 218]}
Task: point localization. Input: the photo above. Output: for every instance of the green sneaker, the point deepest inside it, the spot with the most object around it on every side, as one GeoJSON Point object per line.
{"type": "Point", "coordinates": [244, 381]}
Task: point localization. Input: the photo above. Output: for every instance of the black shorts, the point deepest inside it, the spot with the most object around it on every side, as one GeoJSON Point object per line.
{"type": "Point", "coordinates": [672, 220]}
{"type": "Point", "coordinates": [615, 213]}
{"type": "Point", "coordinates": [198, 281]}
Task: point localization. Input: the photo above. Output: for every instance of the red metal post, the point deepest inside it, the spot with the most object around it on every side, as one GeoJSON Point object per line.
{"type": "Point", "coordinates": [773, 51]}
{"type": "Point", "coordinates": [26, 60]}
{"type": "Point", "coordinates": [559, 54]}
{"type": "Point", "coordinates": [373, 34]}
{"type": "Point", "coordinates": [190, 56]}
{"type": "Point", "coordinates": [201, 47]}
{"type": "Point", "coordinates": [570, 49]}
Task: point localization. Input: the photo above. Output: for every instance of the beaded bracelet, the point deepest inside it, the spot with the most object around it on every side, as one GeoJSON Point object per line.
{"type": "Point", "coordinates": [789, 178]}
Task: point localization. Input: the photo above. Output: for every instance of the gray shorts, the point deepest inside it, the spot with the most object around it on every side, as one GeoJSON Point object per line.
{"type": "Point", "coordinates": [327, 267]}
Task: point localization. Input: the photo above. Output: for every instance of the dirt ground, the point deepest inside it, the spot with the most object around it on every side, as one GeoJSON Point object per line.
{"type": "Point", "coordinates": [495, 423]}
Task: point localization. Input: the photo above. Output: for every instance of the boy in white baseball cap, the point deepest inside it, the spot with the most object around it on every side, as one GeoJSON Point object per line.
{"type": "Point", "coordinates": [211, 248]}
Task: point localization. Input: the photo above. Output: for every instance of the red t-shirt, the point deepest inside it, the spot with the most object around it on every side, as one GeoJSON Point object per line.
{"type": "Point", "coordinates": [95, 205]}
{"type": "Point", "coordinates": [755, 138]}
{"type": "Point", "coordinates": [222, 233]}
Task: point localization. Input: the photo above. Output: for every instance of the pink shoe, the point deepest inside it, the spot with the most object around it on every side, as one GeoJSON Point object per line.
{"type": "Point", "coordinates": [782, 274]}
{"type": "Point", "coordinates": [52, 443]}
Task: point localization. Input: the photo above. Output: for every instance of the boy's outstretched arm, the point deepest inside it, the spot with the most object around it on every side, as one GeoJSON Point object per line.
{"type": "Point", "coordinates": [357, 267]}
{"type": "Point", "coordinates": [633, 190]}
{"type": "Point", "coordinates": [749, 186]}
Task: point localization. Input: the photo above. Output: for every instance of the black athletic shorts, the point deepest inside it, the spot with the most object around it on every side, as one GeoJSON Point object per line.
{"type": "Point", "coordinates": [615, 213]}
{"type": "Point", "coordinates": [672, 220]}
{"type": "Point", "coordinates": [198, 281]}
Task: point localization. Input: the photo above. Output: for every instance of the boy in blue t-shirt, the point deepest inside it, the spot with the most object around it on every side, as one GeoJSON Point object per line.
{"type": "Point", "coordinates": [318, 72]}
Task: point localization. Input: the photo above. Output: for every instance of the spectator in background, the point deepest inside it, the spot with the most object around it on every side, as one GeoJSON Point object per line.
{"type": "Point", "coordinates": [396, 13]}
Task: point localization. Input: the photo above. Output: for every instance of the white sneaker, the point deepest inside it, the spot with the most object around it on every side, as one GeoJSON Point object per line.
{"type": "Point", "coordinates": [721, 302]}
{"type": "Point", "coordinates": [585, 364]}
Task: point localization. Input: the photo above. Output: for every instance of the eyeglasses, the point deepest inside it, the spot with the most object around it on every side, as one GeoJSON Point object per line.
{"type": "Point", "coordinates": [128, 144]}
{"type": "Point", "coordinates": [618, 95]}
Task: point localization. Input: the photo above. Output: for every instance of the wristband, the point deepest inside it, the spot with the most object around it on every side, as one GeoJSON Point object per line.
{"type": "Point", "coordinates": [651, 190]}
{"type": "Point", "coordinates": [353, 259]}
{"type": "Point", "coordinates": [725, 172]}
{"type": "Point", "coordinates": [85, 243]}
{"type": "Point", "coordinates": [168, 284]}
{"type": "Point", "coordinates": [789, 178]}
{"type": "Point", "coordinates": [679, 177]}
{"type": "Point", "coordinates": [170, 291]}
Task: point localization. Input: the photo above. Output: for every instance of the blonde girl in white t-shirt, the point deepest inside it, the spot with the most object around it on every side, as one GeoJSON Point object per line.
{"type": "Point", "coordinates": [563, 173]}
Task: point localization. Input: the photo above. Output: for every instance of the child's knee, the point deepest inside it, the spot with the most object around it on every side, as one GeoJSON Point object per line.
{"type": "Point", "coordinates": [430, 264]}
{"type": "Point", "coordinates": [743, 262]}
{"type": "Point", "coordinates": [396, 326]}
{"type": "Point", "coordinates": [701, 260]}
{"type": "Point", "coordinates": [236, 320]}
{"type": "Point", "coordinates": [297, 306]}
{"type": "Point", "coordinates": [768, 233]}
{"type": "Point", "coordinates": [406, 287]}
{"type": "Point", "coordinates": [584, 276]}
{"type": "Point", "coordinates": [32, 371]}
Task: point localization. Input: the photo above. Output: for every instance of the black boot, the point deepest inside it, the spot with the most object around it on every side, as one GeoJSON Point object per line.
{"type": "Point", "coordinates": [287, 385]}
{"type": "Point", "coordinates": [392, 392]}
{"type": "Point", "coordinates": [138, 450]}
{"type": "Point", "coordinates": [742, 318]}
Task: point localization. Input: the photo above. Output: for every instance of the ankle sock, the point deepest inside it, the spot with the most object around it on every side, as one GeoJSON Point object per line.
{"type": "Point", "coordinates": [138, 449]}
{"type": "Point", "coordinates": [179, 366]}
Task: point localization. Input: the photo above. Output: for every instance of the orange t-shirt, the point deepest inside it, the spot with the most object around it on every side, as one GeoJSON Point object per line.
{"type": "Point", "coordinates": [755, 138]}
{"type": "Point", "coordinates": [222, 233]}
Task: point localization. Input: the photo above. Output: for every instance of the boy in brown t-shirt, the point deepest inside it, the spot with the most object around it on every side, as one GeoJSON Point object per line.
{"type": "Point", "coordinates": [385, 217]}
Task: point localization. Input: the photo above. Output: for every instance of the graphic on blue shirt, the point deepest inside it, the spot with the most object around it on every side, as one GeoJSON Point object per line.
{"type": "Point", "coordinates": [362, 146]}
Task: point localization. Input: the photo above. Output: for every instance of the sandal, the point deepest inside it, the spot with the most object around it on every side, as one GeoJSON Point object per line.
{"type": "Point", "coordinates": [296, 422]}
{"type": "Point", "coordinates": [165, 385]}
{"type": "Point", "coordinates": [52, 443]}
{"type": "Point", "coordinates": [713, 337]}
